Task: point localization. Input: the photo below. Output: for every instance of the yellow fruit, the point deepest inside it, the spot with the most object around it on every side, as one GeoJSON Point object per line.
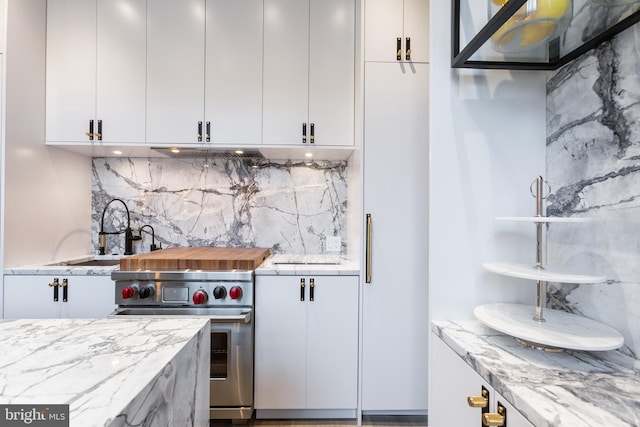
{"type": "Point", "coordinates": [536, 32]}
{"type": "Point", "coordinates": [550, 8]}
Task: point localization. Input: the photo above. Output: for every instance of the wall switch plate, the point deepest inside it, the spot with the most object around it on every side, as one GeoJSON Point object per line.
{"type": "Point", "coordinates": [333, 244]}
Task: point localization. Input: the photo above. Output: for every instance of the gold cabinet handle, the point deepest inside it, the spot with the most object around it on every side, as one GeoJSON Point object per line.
{"type": "Point", "coordinates": [407, 46]}
{"type": "Point", "coordinates": [399, 49]}
{"type": "Point", "coordinates": [368, 248]}
{"type": "Point", "coordinates": [481, 401]}
{"type": "Point", "coordinates": [493, 419]}
{"type": "Point", "coordinates": [90, 133]}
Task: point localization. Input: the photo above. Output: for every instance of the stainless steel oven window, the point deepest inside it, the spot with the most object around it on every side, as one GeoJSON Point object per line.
{"type": "Point", "coordinates": [220, 348]}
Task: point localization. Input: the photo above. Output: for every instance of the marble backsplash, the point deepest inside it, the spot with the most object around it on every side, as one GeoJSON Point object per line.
{"type": "Point", "coordinates": [287, 206]}
{"type": "Point", "coordinates": [593, 168]}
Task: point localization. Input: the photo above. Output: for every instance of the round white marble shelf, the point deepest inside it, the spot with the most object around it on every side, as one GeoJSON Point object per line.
{"type": "Point", "coordinates": [542, 219]}
{"type": "Point", "coordinates": [560, 330]}
{"type": "Point", "coordinates": [526, 271]}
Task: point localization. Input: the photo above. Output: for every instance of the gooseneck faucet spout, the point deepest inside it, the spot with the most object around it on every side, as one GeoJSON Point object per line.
{"type": "Point", "coordinates": [128, 233]}
{"type": "Point", "coordinates": [153, 246]}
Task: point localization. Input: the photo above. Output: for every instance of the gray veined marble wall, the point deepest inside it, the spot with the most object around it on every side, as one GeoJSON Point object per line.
{"type": "Point", "coordinates": [593, 167]}
{"type": "Point", "coordinates": [287, 206]}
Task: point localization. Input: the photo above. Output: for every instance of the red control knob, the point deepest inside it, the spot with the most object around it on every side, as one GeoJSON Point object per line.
{"type": "Point", "coordinates": [128, 292]}
{"type": "Point", "coordinates": [235, 292]}
{"type": "Point", "coordinates": [199, 297]}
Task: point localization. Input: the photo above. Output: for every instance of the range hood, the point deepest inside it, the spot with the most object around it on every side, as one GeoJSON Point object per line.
{"type": "Point", "coordinates": [533, 34]}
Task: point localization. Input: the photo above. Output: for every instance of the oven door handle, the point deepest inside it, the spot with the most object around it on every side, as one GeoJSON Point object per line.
{"type": "Point", "coordinates": [243, 318]}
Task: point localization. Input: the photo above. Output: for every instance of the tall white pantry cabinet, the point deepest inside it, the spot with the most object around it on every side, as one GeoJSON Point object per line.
{"type": "Point", "coordinates": [396, 164]}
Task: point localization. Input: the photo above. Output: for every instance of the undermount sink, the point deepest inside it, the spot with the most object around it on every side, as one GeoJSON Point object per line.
{"type": "Point", "coordinates": [84, 262]}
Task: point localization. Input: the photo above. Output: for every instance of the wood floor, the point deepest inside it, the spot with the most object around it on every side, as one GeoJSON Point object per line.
{"type": "Point", "coordinates": [378, 421]}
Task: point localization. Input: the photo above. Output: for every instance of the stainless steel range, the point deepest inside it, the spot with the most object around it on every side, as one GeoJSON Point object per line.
{"type": "Point", "coordinates": [226, 297]}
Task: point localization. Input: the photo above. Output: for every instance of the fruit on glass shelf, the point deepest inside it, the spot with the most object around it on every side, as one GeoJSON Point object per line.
{"type": "Point", "coordinates": [535, 21]}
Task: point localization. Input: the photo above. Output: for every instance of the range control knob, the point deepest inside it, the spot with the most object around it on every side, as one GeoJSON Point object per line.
{"type": "Point", "coordinates": [219, 292]}
{"type": "Point", "coordinates": [235, 292]}
{"type": "Point", "coordinates": [128, 292]}
{"type": "Point", "coordinates": [146, 291]}
{"type": "Point", "coordinates": [199, 297]}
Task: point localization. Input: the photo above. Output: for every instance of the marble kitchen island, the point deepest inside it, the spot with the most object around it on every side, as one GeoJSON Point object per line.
{"type": "Point", "coordinates": [111, 372]}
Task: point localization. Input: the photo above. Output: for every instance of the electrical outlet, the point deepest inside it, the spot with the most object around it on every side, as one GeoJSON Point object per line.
{"type": "Point", "coordinates": [333, 244]}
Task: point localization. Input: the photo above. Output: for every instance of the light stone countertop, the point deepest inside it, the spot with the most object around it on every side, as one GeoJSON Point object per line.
{"type": "Point", "coordinates": [49, 268]}
{"type": "Point", "coordinates": [307, 265]}
{"type": "Point", "coordinates": [111, 372]}
{"type": "Point", "coordinates": [572, 388]}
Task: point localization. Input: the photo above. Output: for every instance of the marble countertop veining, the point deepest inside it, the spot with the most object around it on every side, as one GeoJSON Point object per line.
{"type": "Point", "coordinates": [66, 267]}
{"type": "Point", "coordinates": [572, 388]}
{"type": "Point", "coordinates": [316, 265]}
{"type": "Point", "coordinates": [107, 370]}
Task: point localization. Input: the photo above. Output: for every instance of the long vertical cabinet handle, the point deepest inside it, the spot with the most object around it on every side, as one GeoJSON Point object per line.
{"type": "Point", "coordinates": [99, 134]}
{"type": "Point", "coordinates": [368, 249]}
{"type": "Point", "coordinates": [304, 133]}
{"type": "Point", "coordinates": [64, 287]}
{"type": "Point", "coordinates": [312, 286]}
{"type": "Point", "coordinates": [208, 134]}
{"type": "Point", "coordinates": [90, 133]}
{"type": "Point", "coordinates": [301, 289]}
{"type": "Point", "coordinates": [407, 46]}
{"type": "Point", "coordinates": [312, 133]}
{"type": "Point", "coordinates": [199, 131]}
{"type": "Point", "coordinates": [55, 285]}
{"type": "Point", "coordinates": [399, 49]}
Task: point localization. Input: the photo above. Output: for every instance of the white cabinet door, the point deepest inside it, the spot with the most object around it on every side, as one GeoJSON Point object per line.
{"type": "Point", "coordinates": [90, 297]}
{"type": "Point", "coordinates": [386, 21]}
{"type": "Point", "coordinates": [233, 86]}
{"type": "Point", "coordinates": [395, 302]}
{"type": "Point", "coordinates": [286, 71]}
{"type": "Point", "coordinates": [280, 343]}
{"type": "Point", "coordinates": [175, 70]}
{"type": "Point", "coordinates": [332, 343]}
{"type": "Point", "coordinates": [30, 297]}
{"type": "Point", "coordinates": [453, 382]}
{"type": "Point", "coordinates": [331, 71]}
{"type": "Point", "coordinates": [306, 349]}
{"type": "Point", "coordinates": [121, 70]}
{"type": "Point", "coordinates": [308, 89]}
{"type": "Point", "coordinates": [71, 69]}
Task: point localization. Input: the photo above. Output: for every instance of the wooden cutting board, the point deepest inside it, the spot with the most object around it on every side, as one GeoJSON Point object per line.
{"type": "Point", "coordinates": [175, 259]}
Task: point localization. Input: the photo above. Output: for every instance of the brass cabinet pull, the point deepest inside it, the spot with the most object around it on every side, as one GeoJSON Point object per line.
{"type": "Point", "coordinates": [304, 133]}
{"type": "Point", "coordinates": [55, 285]}
{"type": "Point", "coordinates": [312, 286]}
{"type": "Point", "coordinates": [312, 133]}
{"type": "Point", "coordinates": [407, 46]}
{"type": "Point", "coordinates": [199, 131]}
{"type": "Point", "coordinates": [90, 133]}
{"type": "Point", "coordinates": [399, 49]}
{"type": "Point", "coordinates": [99, 134]}
{"type": "Point", "coordinates": [65, 287]}
{"type": "Point", "coordinates": [368, 249]}
{"type": "Point", "coordinates": [208, 133]}
{"type": "Point", "coordinates": [481, 401]}
{"type": "Point", "coordinates": [301, 289]}
{"type": "Point", "coordinates": [498, 420]}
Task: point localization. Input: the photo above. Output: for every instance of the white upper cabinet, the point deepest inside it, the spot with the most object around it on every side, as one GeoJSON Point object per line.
{"type": "Point", "coordinates": [233, 86]}
{"type": "Point", "coordinates": [71, 69]}
{"type": "Point", "coordinates": [309, 72]}
{"type": "Point", "coordinates": [95, 71]}
{"type": "Point", "coordinates": [121, 70]}
{"type": "Point", "coordinates": [175, 71]}
{"type": "Point", "coordinates": [394, 28]}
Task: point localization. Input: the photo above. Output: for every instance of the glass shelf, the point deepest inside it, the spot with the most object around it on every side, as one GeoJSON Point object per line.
{"type": "Point", "coordinates": [552, 274]}
{"type": "Point", "coordinates": [479, 24]}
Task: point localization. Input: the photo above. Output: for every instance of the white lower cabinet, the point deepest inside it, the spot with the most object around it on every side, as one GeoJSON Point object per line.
{"type": "Point", "coordinates": [34, 296]}
{"type": "Point", "coordinates": [453, 383]}
{"type": "Point", "coordinates": [306, 343]}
